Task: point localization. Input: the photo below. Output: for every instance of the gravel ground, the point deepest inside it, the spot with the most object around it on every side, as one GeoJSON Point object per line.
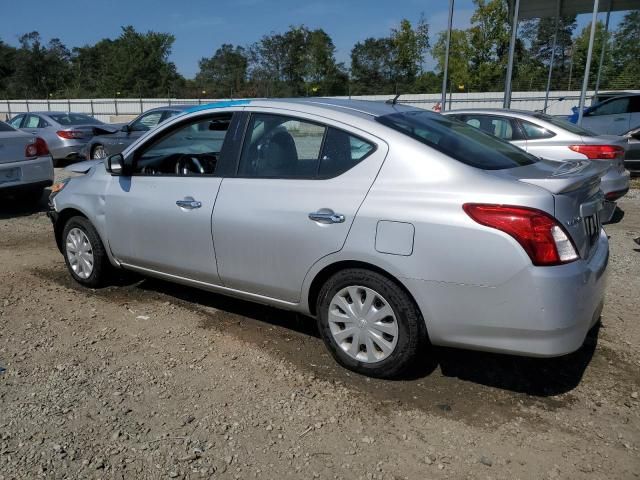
{"type": "Point", "coordinates": [147, 379]}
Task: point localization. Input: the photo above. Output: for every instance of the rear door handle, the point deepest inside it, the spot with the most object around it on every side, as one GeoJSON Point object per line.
{"type": "Point", "coordinates": [188, 203]}
{"type": "Point", "coordinates": [326, 215]}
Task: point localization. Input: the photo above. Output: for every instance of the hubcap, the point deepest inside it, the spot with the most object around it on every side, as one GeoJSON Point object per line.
{"type": "Point", "coordinates": [363, 324]}
{"type": "Point", "coordinates": [79, 253]}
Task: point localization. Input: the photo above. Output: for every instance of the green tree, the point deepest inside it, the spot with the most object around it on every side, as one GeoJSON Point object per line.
{"type": "Point", "coordinates": [224, 74]}
{"type": "Point", "coordinates": [459, 54]}
{"type": "Point", "coordinates": [580, 49]}
{"type": "Point", "coordinates": [410, 46]}
{"type": "Point", "coordinates": [372, 66]}
{"type": "Point", "coordinates": [7, 66]}
{"type": "Point", "coordinates": [625, 53]}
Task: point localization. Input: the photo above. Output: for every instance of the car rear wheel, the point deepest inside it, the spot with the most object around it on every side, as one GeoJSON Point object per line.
{"type": "Point", "coordinates": [84, 253]}
{"type": "Point", "coordinates": [369, 323]}
{"type": "Point", "coordinates": [98, 152]}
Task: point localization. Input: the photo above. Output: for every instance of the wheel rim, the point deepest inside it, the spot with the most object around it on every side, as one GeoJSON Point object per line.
{"type": "Point", "coordinates": [363, 324]}
{"type": "Point", "coordinates": [99, 152]}
{"type": "Point", "coordinates": [79, 253]}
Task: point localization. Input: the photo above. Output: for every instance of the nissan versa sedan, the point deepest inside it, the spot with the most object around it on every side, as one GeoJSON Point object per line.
{"type": "Point", "coordinates": [556, 139]}
{"type": "Point", "coordinates": [116, 140]}
{"type": "Point", "coordinates": [65, 133]}
{"type": "Point", "coordinates": [25, 165]}
{"type": "Point", "coordinates": [395, 227]}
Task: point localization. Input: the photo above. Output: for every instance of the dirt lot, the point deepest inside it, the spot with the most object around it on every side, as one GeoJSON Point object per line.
{"type": "Point", "coordinates": [152, 380]}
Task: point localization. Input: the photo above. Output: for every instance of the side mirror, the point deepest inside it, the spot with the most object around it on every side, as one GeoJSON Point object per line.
{"type": "Point", "coordinates": [114, 164]}
{"type": "Point", "coordinates": [126, 128]}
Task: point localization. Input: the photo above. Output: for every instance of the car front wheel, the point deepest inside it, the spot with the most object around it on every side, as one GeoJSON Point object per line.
{"type": "Point", "coordinates": [84, 253]}
{"type": "Point", "coordinates": [369, 323]}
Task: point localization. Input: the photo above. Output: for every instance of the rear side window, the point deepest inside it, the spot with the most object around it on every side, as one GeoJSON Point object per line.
{"type": "Point", "coordinates": [535, 132]}
{"type": "Point", "coordinates": [33, 121]}
{"type": "Point", "coordinates": [502, 127]}
{"type": "Point", "coordinates": [6, 128]}
{"type": "Point", "coordinates": [458, 140]}
{"type": "Point", "coordinates": [564, 124]}
{"type": "Point", "coordinates": [341, 152]}
{"type": "Point", "coordinates": [147, 122]}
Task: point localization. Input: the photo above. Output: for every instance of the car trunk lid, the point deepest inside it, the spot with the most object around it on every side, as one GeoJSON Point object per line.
{"type": "Point", "coordinates": [575, 186]}
{"type": "Point", "coordinates": [13, 145]}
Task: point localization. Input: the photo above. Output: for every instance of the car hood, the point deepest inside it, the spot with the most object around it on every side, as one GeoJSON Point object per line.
{"type": "Point", "coordinates": [82, 167]}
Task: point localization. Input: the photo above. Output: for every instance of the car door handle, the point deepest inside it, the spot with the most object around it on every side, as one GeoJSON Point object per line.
{"type": "Point", "coordinates": [188, 203]}
{"type": "Point", "coordinates": [326, 215]}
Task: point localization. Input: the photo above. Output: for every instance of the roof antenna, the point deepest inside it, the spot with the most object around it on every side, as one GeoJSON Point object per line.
{"type": "Point", "coordinates": [395, 100]}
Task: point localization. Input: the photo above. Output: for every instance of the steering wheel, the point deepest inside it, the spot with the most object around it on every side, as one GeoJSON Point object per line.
{"type": "Point", "coordinates": [187, 164]}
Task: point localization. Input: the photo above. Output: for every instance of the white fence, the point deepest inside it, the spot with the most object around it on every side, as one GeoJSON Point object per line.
{"type": "Point", "coordinates": [120, 109]}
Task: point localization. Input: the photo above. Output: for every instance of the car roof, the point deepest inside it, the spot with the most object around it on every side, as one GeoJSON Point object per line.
{"type": "Point", "coordinates": [362, 108]}
{"type": "Point", "coordinates": [497, 111]}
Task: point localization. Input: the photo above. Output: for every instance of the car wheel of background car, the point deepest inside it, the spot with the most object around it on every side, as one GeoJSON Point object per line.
{"type": "Point", "coordinates": [84, 253]}
{"type": "Point", "coordinates": [98, 152]}
{"type": "Point", "coordinates": [369, 323]}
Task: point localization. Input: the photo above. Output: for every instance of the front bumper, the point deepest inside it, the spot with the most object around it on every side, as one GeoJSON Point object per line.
{"type": "Point", "coordinates": [615, 181]}
{"type": "Point", "coordinates": [30, 174]}
{"type": "Point", "coordinates": [541, 312]}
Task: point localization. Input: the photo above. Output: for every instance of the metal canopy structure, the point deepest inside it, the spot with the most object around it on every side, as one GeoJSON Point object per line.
{"type": "Point", "coordinates": [528, 9]}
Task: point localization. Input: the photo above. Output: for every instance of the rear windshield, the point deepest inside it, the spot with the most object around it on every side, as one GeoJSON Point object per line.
{"type": "Point", "coordinates": [6, 128]}
{"type": "Point", "coordinates": [74, 119]}
{"type": "Point", "coordinates": [458, 140]}
{"type": "Point", "coordinates": [560, 122]}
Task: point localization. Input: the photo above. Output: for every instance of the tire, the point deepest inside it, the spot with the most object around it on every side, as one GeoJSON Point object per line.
{"type": "Point", "coordinates": [377, 354]}
{"type": "Point", "coordinates": [88, 241]}
{"type": "Point", "coordinates": [98, 152]}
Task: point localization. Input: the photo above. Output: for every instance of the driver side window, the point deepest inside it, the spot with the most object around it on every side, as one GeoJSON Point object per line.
{"type": "Point", "coordinates": [193, 149]}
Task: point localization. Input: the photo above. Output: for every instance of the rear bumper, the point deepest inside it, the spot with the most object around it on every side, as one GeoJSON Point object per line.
{"type": "Point", "coordinates": [61, 152]}
{"type": "Point", "coordinates": [615, 181]}
{"type": "Point", "coordinates": [542, 312]}
{"type": "Point", "coordinates": [31, 174]}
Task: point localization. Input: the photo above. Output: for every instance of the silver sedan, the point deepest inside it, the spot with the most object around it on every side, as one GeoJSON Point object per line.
{"type": "Point", "coordinates": [64, 132]}
{"type": "Point", "coordinates": [25, 164]}
{"type": "Point", "coordinates": [395, 227]}
{"type": "Point", "coordinates": [555, 139]}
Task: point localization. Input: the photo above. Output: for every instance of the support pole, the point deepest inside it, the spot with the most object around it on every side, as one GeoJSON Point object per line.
{"type": "Point", "coordinates": [443, 99]}
{"type": "Point", "coordinates": [553, 56]}
{"type": "Point", "coordinates": [587, 66]}
{"type": "Point", "coordinates": [604, 46]}
{"type": "Point", "coordinates": [512, 48]}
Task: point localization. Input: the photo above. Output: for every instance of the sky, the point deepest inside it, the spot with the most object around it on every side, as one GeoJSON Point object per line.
{"type": "Point", "coordinates": [201, 26]}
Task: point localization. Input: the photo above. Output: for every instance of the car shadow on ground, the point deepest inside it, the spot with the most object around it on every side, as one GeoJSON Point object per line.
{"type": "Point", "coordinates": [534, 376]}
{"type": "Point", "coordinates": [12, 206]}
{"type": "Point", "coordinates": [618, 215]}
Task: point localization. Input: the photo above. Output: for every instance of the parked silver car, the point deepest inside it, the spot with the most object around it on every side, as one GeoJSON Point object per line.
{"type": "Point", "coordinates": [116, 140]}
{"type": "Point", "coordinates": [25, 164]}
{"type": "Point", "coordinates": [64, 132]}
{"type": "Point", "coordinates": [395, 227]}
{"type": "Point", "coordinates": [556, 139]}
{"type": "Point", "coordinates": [613, 116]}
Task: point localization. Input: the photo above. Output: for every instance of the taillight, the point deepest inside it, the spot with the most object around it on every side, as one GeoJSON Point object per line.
{"type": "Point", "coordinates": [70, 134]}
{"type": "Point", "coordinates": [541, 235]}
{"type": "Point", "coordinates": [599, 152]}
{"type": "Point", "coordinates": [36, 149]}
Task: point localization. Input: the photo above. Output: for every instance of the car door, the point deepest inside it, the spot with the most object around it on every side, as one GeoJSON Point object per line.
{"type": "Point", "coordinates": [159, 217]}
{"type": "Point", "coordinates": [299, 184]}
{"type": "Point", "coordinates": [611, 117]}
{"type": "Point", "coordinates": [33, 124]}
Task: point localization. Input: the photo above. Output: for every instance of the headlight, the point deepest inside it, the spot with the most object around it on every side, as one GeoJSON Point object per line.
{"type": "Point", "coordinates": [58, 187]}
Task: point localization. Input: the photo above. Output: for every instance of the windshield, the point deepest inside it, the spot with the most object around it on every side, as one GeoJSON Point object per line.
{"type": "Point", "coordinates": [559, 122]}
{"type": "Point", "coordinates": [458, 140]}
{"type": "Point", "coordinates": [74, 119]}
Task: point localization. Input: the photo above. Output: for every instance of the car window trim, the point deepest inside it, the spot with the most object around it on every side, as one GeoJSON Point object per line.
{"type": "Point", "coordinates": [317, 175]}
{"type": "Point", "coordinates": [165, 133]}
